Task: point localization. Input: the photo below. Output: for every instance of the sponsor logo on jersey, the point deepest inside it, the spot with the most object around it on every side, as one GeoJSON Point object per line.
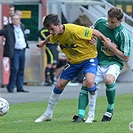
{"type": "Point", "coordinates": [87, 32]}
{"type": "Point", "coordinates": [107, 51]}
{"type": "Point", "coordinates": [73, 45]}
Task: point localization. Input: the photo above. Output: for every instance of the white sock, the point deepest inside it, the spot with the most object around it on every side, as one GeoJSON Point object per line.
{"type": "Point", "coordinates": [92, 103]}
{"type": "Point", "coordinates": [54, 98]}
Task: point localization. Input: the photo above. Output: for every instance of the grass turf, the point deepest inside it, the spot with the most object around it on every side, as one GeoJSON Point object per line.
{"type": "Point", "coordinates": [20, 118]}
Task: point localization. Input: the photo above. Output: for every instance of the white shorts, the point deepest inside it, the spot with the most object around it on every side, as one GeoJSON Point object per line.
{"type": "Point", "coordinates": [102, 71]}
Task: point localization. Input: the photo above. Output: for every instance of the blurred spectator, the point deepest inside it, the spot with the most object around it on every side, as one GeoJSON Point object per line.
{"type": "Point", "coordinates": [14, 48]}
{"type": "Point", "coordinates": [27, 31]}
{"type": "Point", "coordinates": [19, 13]}
{"type": "Point", "coordinates": [11, 12]}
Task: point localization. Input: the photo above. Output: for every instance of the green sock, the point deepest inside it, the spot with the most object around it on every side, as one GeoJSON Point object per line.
{"type": "Point", "coordinates": [110, 93]}
{"type": "Point", "coordinates": [82, 102]}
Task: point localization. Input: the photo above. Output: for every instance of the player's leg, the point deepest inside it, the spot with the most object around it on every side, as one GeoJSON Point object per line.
{"type": "Point", "coordinates": [91, 105]}
{"type": "Point", "coordinates": [92, 98]}
{"type": "Point", "coordinates": [53, 100]}
{"type": "Point", "coordinates": [82, 101]}
{"type": "Point", "coordinates": [90, 72]}
{"type": "Point", "coordinates": [110, 78]}
{"type": "Point", "coordinates": [68, 74]}
{"type": "Point", "coordinates": [110, 94]}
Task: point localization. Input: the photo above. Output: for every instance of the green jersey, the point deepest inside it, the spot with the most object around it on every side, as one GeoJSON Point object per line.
{"type": "Point", "coordinates": [119, 36]}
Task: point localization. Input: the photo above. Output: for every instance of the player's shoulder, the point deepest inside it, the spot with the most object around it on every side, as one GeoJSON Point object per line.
{"type": "Point", "coordinates": [73, 28]}
{"type": "Point", "coordinates": [70, 25]}
{"type": "Point", "coordinates": [101, 20]}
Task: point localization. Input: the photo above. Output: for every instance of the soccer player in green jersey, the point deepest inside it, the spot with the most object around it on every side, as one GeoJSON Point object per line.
{"type": "Point", "coordinates": [111, 61]}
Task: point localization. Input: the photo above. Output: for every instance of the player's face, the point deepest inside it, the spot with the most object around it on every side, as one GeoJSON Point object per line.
{"type": "Point", "coordinates": [114, 23]}
{"type": "Point", "coordinates": [54, 30]}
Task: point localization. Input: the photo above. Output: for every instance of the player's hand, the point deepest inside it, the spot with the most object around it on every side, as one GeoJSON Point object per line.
{"type": "Point", "coordinates": [93, 40]}
{"type": "Point", "coordinates": [114, 45]}
{"type": "Point", "coordinates": [40, 44]}
{"type": "Point", "coordinates": [108, 43]}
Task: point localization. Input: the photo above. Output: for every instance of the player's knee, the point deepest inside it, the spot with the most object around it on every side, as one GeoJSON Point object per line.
{"type": "Point", "coordinates": [90, 83]}
{"type": "Point", "coordinates": [60, 86]}
{"type": "Point", "coordinates": [108, 81]}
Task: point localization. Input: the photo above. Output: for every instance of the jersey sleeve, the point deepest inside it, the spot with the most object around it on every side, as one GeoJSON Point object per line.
{"type": "Point", "coordinates": [84, 33]}
{"type": "Point", "coordinates": [125, 42]}
{"type": "Point", "coordinates": [97, 22]}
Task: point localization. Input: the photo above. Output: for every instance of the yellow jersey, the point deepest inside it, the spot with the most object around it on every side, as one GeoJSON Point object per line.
{"type": "Point", "coordinates": [74, 42]}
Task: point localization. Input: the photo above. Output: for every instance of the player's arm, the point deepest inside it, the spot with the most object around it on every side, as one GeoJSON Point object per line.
{"type": "Point", "coordinates": [99, 35]}
{"type": "Point", "coordinates": [115, 50]}
{"type": "Point", "coordinates": [113, 47]}
{"type": "Point", "coordinates": [42, 43]}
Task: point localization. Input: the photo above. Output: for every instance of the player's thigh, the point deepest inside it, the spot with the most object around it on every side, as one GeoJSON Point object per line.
{"type": "Point", "coordinates": [70, 71]}
{"type": "Point", "coordinates": [113, 72]}
{"type": "Point", "coordinates": [99, 76]}
{"type": "Point", "coordinates": [90, 66]}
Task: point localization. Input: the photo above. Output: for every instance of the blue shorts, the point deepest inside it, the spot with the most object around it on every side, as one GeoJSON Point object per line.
{"type": "Point", "coordinates": [72, 70]}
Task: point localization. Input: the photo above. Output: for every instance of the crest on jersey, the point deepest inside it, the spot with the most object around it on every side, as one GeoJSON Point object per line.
{"type": "Point", "coordinates": [107, 51]}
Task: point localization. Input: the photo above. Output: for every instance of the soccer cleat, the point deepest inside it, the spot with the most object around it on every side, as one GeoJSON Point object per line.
{"type": "Point", "coordinates": [43, 118]}
{"type": "Point", "coordinates": [107, 117]}
{"type": "Point", "coordinates": [90, 119]}
{"type": "Point", "coordinates": [77, 119]}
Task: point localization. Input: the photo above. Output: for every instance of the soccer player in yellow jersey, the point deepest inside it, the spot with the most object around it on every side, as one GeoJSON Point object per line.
{"type": "Point", "coordinates": [82, 56]}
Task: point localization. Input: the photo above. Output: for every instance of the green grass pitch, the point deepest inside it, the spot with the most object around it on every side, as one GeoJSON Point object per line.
{"type": "Point", "coordinates": [20, 118]}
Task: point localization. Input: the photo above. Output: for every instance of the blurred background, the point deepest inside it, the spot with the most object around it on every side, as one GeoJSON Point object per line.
{"type": "Point", "coordinates": [83, 12]}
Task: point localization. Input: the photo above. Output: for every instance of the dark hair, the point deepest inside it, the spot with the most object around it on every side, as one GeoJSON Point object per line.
{"type": "Point", "coordinates": [11, 6]}
{"type": "Point", "coordinates": [115, 13]}
{"type": "Point", "coordinates": [51, 19]}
